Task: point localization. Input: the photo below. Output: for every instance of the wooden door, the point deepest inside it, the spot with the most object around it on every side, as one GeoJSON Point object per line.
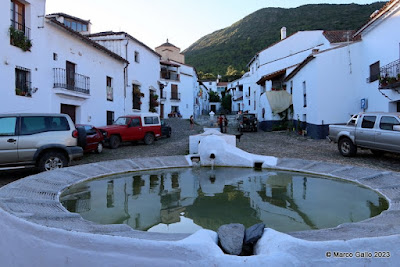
{"type": "Point", "coordinates": [70, 110]}
{"type": "Point", "coordinates": [161, 110]}
{"type": "Point", "coordinates": [70, 69]}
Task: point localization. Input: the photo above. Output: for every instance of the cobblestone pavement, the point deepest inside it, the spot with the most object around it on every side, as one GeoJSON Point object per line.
{"type": "Point", "coordinates": [279, 144]}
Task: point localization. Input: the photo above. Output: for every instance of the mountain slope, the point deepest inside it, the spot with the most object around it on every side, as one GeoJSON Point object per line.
{"type": "Point", "coordinates": [237, 44]}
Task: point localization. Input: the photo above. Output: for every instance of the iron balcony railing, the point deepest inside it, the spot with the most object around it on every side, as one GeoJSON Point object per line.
{"type": "Point", "coordinates": [22, 28]}
{"type": "Point", "coordinates": [390, 75]}
{"type": "Point", "coordinates": [175, 96]}
{"type": "Point", "coordinates": [77, 83]}
{"type": "Point", "coordinates": [169, 75]}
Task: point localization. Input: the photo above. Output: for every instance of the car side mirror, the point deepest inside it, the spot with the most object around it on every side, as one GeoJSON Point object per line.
{"type": "Point", "coordinates": [396, 128]}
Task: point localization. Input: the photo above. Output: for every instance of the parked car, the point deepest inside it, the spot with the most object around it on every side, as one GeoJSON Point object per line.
{"type": "Point", "coordinates": [45, 141]}
{"type": "Point", "coordinates": [378, 131]}
{"type": "Point", "coordinates": [165, 129]}
{"type": "Point", "coordinates": [136, 127]}
{"type": "Point", "coordinates": [94, 138]}
{"type": "Point", "coordinates": [247, 122]}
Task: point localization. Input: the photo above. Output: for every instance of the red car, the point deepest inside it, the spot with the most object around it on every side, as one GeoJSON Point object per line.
{"type": "Point", "coordinates": [94, 138]}
{"type": "Point", "coordinates": [136, 127]}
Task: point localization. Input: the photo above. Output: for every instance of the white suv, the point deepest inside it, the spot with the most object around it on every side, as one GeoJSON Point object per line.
{"type": "Point", "coordinates": [45, 141]}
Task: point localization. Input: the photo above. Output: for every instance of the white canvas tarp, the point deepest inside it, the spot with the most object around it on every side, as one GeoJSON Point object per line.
{"type": "Point", "coordinates": [279, 100]}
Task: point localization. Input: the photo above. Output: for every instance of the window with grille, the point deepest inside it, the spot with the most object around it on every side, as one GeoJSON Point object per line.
{"type": "Point", "coordinates": [374, 72]}
{"type": "Point", "coordinates": [22, 81]}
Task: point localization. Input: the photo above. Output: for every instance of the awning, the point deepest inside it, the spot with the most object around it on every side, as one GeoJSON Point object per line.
{"type": "Point", "coordinates": [271, 76]}
{"type": "Point", "coordinates": [239, 99]}
{"type": "Point", "coordinates": [279, 100]}
{"type": "Point", "coordinates": [152, 88]}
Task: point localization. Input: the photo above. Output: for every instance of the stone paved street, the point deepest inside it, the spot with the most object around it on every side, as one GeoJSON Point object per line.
{"type": "Point", "coordinates": [279, 144]}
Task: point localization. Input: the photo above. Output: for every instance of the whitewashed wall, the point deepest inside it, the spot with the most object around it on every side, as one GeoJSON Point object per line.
{"type": "Point", "coordinates": [12, 56]}
{"type": "Point", "coordinates": [48, 39]}
{"type": "Point", "coordinates": [336, 80]}
{"type": "Point", "coordinates": [90, 62]}
{"type": "Point", "coordinates": [145, 73]}
{"type": "Point", "coordinates": [380, 43]}
{"type": "Point", "coordinates": [186, 89]}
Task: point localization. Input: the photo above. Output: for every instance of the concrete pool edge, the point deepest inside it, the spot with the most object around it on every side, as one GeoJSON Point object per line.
{"type": "Point", "coordinates": [34, 202]}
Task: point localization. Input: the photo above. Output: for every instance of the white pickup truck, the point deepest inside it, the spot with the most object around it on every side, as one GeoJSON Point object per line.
{"type": "Point", "coordinates": [377, 131]}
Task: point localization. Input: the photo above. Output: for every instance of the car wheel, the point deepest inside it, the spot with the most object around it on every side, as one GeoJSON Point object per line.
{"type": "Point", "coordinates": [52, 160]}
{"type": "Point", "coordinates": [255, 129]}
{"type": "Point", "coordinates": [99, 148]}
{"type": "Point", "coordinates": [148, 139]}
{"type": "Point", "coordinates": [169, 134]}
{"type": "Point", "coordinates": [346, 147]}
{"type": "Point", "coordinates": [114, 141]}
{"type": "Point", "coordinates": [377, 152]}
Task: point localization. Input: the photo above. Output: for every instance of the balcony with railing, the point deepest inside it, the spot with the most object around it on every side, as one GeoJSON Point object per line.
{"type": "Point", "coordinates": [77, 85]}
{"type": "Point", "coordinates": [169, 75]}
{"type": "Point", "coordinates": [20, 35]}
{"type": "Point", "coordinates": [237, 95]}
{"type": "Point", "coordinates": [390, 76]}
{"type": "Point", "coordinates": [175, 96]}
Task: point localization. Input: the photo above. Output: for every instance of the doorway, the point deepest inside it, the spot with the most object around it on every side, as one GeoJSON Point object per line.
{"type": "Point", "coordinates": [162, 111]}
{"type": "Point", "coordinates": [69, 110]}
{"type": "Point", "coordinates": [70, 69]}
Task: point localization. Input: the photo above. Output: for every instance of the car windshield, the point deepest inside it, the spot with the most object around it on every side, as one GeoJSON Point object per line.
{"type": "Point", "coordinates": [121, 121]}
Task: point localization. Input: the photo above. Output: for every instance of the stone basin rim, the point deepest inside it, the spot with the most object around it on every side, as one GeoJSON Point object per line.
{"type": "Point", "coordinates": [36, 198]}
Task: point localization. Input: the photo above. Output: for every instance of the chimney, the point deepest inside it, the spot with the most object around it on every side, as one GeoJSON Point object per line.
{"type": "Point", "coordinates": [283, 33]}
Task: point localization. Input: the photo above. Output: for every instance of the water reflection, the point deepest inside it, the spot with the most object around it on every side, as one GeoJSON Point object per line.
{"type": "Point", "coordinates": [185, 200]}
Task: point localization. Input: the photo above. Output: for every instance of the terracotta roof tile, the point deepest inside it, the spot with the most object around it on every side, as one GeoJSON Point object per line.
{"type": "Point", "coordinates": [339, 36]}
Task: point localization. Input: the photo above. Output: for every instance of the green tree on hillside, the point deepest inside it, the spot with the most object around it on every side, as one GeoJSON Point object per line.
{"type": "Point", "coordinates": [236, 45]}
{"type": "Point", "coordinates": [231, 71]}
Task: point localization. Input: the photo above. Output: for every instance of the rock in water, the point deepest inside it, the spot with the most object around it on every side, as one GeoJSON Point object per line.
{"type": "Point", "coordinates": [231, 238]}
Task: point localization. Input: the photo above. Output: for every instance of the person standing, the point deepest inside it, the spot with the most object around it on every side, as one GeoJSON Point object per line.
{"type": "Point", "coordinates": [221, 123]}
{"type": "Point", "coordinates": [225, 124]}
{"type": "Point", "coordinates": [191, 122]}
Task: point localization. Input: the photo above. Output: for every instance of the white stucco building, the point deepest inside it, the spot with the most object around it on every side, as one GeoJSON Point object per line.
{"type": "Point", "coordinates": [178, 81]}
{"type": "Point", "coordinates": [143, 73]}
{"type": "Point", "coordinates": [264, 90]}
{"type": "Point", "coordinates": [202, 103]}
{"type": "Point", "coordinates": [330, 86]}
{"type": "Point", "coordinates": [63, 71]}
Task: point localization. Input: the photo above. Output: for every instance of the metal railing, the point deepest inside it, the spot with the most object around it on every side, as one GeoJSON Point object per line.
{"type": "Point", "coordinates": [390, 75]}
{"type": "Point", "coordinates": [175, 96]}
{"type": "Point", "coordinates": [169, 75]}
{"type": "Point", "coordinates": [22, 28]}
{"type": "Point", "coordinates": [78, 83]}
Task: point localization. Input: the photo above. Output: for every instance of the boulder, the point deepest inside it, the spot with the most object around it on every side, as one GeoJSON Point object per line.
{"type": "Point", "coordinates": [231, 238]}
{"type": "Point", "coordinates": [252, 235]}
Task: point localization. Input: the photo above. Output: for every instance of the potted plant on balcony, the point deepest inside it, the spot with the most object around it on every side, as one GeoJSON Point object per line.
{"type": "Point", "coordinates": [18, 39]}
{"type": "Point", "coordinates": [18, 91]}
{"type": "Point", "coordinates": [391, 80]}
{"type": "Point", "coordinates": [383, 81]}
{"type": "Point", "coordinates": [153, 102]}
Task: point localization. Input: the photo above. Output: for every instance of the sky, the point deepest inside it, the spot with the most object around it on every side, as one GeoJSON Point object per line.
{"type": "Point", "coordinates": [183, 22]}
